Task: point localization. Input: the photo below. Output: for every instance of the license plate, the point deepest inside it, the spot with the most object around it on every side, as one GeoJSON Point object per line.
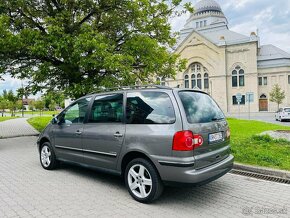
{"type": "Point", "coordinates": [215, 137]}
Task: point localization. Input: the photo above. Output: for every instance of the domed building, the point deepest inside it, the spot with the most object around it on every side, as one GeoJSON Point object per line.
{"type": "Point", "coordinates": [224, 63]}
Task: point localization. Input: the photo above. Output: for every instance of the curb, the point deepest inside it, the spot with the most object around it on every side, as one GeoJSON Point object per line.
{"type": "Point", "coordinates": [263, 170]}
{"type": "Point", "coordinates": [18, 136]}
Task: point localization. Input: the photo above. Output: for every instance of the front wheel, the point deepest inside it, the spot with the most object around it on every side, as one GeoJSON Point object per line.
{"type": "Point", "coordinates": [47, 157]}
{"type": "Point", "coordinates": [143, 181]}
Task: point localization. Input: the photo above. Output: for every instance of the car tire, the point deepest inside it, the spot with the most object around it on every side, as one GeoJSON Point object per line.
{"type": "Point", "coordinates": [47, 157]}
{"type": "Point", "coordinates": [143, 181]}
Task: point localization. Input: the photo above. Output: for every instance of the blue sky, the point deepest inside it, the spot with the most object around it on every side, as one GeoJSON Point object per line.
{"type": "Point", "coordinates": [271, 18]}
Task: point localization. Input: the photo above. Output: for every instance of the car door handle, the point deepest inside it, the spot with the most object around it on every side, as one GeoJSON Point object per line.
{"type": "Point", "coordinates": [78, 132]}
{"type": "Point", "coordinates": [118, 134]}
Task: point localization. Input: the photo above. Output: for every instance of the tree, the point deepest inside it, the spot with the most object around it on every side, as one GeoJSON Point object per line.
{"type": "Point", "coordinates": [82, 45]}
{"type": "Point", "coordinates": [39, 105]}
{"type": "Point", "coordinates": [3, 104]}
{"type": "Point", "coordinates": [277, 95]}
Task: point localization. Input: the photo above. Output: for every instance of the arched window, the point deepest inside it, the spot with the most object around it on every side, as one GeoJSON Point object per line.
{"type": "Point", "coordinates": [241, 77]}
{"type": "Point", "coordinates": [186, 82]}
{"type": "Point", "coordinates": [199, 85]}
{"type": "Point", "coordinates": [238, 77]}
{"type": "Point", "coordinates": [206, 83]}
{"type": "Point", "coordinates": [193, 81]}
{"type": "Point", "coordinates": [234, 78]}
{"type": "Point", "coordinates": [196, 76]}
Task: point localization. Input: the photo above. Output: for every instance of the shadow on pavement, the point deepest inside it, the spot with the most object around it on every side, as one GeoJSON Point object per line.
{"type": "Point", "coordinates": [194, 196]}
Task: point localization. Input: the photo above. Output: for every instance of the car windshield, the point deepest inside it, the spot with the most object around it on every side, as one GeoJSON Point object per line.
{"type": "Point", "coordinates": [287, 109]}
{"type": "Point", "coordinates": [200, 108]}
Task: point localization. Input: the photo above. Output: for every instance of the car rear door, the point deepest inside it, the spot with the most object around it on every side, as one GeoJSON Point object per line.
{"type": "Point", "coordinates": [104, 132]}
{"type": "Point", "coordinates": [203, 117]}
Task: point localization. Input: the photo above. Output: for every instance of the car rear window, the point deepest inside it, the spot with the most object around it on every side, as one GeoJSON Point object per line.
{"type": "Point", "coordinates": [200, 107]}
{"type": "Point", "coordinates": [149, 108]}
{"type": "Point", "coordinates": [287, 109]}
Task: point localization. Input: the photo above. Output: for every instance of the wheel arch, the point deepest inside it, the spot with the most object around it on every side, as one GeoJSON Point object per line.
{"type": "Point", "coordinates": [131, 155]}
{"type": "Point", "coordinates": [41, 141]}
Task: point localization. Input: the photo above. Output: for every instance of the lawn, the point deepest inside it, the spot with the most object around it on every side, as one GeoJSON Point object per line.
{"type": "Point", "coordinates": [39, 123]}
{"type": "Point", "coordinates": [6, 118]}
{"type": "Point", "coordinates": [258, 150]}
{"type": "Point", "coordinates": [247, 147]}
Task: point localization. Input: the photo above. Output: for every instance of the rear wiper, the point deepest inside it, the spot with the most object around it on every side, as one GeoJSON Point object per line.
{"type": "Point", "coordinates": [217, 119]}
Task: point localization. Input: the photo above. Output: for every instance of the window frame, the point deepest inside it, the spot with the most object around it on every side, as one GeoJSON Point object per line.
{"type": "Point", "coordinates": [186, 81]}
{"type": "Point", "coordinates": [265, 80]}
{"type": "Point", "coordinates": [106, 94]}
{"type": "Point", "coordinates": [74, 103]}
{"type": "Point", "coordinates": [134, 91]}
{"type": "Point", "coordinates": [235, 77]}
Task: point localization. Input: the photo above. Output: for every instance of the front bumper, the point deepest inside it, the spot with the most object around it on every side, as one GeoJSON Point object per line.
{"type": "Point", "coordinates": [187, 174]}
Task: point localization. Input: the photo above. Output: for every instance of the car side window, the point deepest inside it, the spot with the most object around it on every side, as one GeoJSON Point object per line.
{"type": "Point", "coordinates": [76, 112]}
{"type": "Point", "coordinates": [107, 109]}
{"type": "Point", "coordinates": [149, 108]}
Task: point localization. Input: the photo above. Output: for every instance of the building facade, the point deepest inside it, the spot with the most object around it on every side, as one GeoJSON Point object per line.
{"type": "Point", "coordinates": [224, 63]}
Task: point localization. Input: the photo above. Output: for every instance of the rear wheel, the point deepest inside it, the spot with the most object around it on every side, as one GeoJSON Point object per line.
{"type": "Point", "coordinates": [143, 181]}
{"type": "Point", "coordinates": [47, 157]}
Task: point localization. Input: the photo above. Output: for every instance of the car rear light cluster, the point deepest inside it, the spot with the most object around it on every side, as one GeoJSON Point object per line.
{"type": "Point", "coordinates": [186, 141]}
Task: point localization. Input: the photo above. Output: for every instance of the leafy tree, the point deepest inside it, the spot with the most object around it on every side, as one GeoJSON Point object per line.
{"type": "Point", "coordinates": [39, 105]}
{"type": "Point", "coordinates": [53, 99]}
{"type": "Point", "coordinates": [277, 95]}
{"type": "Point", "coordinates": [31, 105]}
{"type": "Point", "coordinates": [3, 105]}
{"type": "Point", "coordinates": [82, 45]}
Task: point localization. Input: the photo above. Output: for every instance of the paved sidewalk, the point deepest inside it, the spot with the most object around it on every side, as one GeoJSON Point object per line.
{"type": "Point", "coordinates": [27, 190]}
{"type": "Point", "coordinates": [15, 128]}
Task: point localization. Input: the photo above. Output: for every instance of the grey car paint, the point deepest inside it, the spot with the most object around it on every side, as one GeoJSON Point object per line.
{"type": "Point", "coordinates": [99, 148]}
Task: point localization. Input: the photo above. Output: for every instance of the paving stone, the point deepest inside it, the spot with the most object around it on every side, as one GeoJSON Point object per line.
{"type": "Point", "coordinates": [27, 190]}
{"type": "Point", "coordinates": [16, 127]}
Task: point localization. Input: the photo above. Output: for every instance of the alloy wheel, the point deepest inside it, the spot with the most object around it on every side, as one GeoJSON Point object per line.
{"type": "Point", "coordinates": [45, 156]}
{"type": "Point", "coordinates": [139, 181]}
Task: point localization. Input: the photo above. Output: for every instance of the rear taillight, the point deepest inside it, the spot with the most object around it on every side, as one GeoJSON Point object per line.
{"type": "Point", "coordinates": [186, 141]}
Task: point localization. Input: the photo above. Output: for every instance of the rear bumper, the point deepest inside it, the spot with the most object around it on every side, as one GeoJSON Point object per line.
{"type": "Point", "coordinates": [186, 174]}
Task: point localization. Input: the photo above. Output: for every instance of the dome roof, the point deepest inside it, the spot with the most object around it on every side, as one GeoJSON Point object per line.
{"type": "Point", "coordinates": [207, 5]}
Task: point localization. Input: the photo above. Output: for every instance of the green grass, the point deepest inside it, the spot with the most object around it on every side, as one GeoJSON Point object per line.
{"type": "Point", "coordinates": [39, 123]}
{"type": "Point", "coordinates": [6, 118]}
{"type": "Point", "coordinates": [250, 148]}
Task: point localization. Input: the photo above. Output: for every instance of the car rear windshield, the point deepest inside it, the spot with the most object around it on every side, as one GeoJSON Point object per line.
{"type": "Point", "coordinates": [200, 108]}
{"type": "Point", "coordinates": [287, 109]}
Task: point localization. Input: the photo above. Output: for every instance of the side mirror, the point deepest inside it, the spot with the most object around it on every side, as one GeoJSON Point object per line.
{"type": "Point", "coordinates": [54, 120]}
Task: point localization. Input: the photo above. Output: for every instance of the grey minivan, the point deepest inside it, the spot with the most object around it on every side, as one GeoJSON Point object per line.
{"type": "Point", "coordinates": [151, 136]}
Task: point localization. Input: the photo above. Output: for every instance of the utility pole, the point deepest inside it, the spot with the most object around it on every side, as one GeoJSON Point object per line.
{"type": "Point", "coordinates": [22, 98]}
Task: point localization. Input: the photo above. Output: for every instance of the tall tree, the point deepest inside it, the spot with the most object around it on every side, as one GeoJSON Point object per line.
{"type": "Point", "coordinates": [277, 95]}
{"type": "Point", "coordinates": [81, 45]}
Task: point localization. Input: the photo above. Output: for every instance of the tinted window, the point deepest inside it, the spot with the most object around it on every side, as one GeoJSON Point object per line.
{"type": "Point", "coordinates": [287, 109]}
{"type": "Point", "coordinates": [200, 108]}
{"type": "Point", "coordinates": [75, 113]}
{"type": "Point", "coordinates": [107, 109]}
{"type": "Point", "coordinates": [149, 108]}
